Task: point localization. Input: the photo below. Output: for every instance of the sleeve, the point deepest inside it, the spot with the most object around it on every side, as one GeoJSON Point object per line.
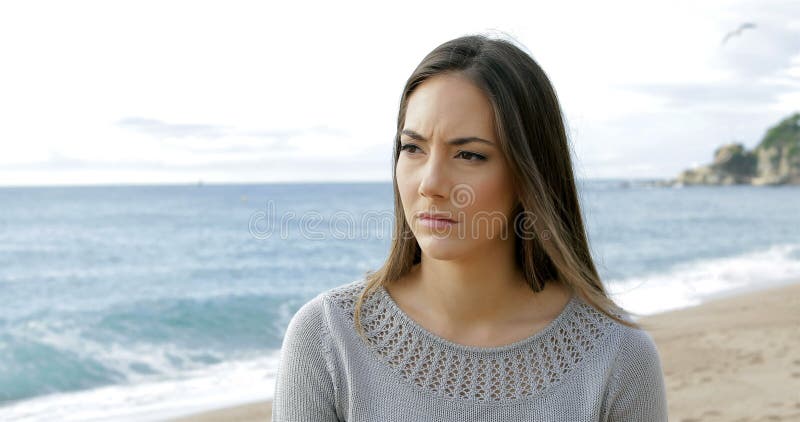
{"type": "Point", "coordinates": [304, 386]}
{"type": "Point", "coordinates": [637, 391]}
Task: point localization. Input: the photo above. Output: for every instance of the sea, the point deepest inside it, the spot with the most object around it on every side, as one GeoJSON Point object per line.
{"type": "Point", "coordinates": [143, 303]}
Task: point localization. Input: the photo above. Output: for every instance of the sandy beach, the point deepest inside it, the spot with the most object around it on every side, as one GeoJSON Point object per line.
{"type": "Point", "coordinates": [731, 359]}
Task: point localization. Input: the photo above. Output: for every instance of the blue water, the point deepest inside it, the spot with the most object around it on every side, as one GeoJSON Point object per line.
{"type": "Point", "coordinates": [117, 291]}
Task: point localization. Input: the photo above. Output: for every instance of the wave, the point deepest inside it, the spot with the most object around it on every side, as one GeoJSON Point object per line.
{"type": "Point", "coordinates": [221, 385]}
{"type": "Point", "coordinates": [691, 283]}
{"type": "Point", "coordinates": [57, 351]}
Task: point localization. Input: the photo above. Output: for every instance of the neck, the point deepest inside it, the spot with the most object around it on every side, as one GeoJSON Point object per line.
{"type": "Point", "coordinates": [485, 288]}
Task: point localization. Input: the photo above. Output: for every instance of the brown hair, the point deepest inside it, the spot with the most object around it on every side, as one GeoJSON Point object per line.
{"type": "Point", "coordinates": [530, 127]}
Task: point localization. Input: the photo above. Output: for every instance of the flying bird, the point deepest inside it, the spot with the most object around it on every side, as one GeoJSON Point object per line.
{"type": "Point", "coordinates": [738, 31]}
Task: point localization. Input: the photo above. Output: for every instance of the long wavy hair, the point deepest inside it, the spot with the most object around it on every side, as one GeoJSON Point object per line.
{"type": "Point", "coordinates": [532, 136]}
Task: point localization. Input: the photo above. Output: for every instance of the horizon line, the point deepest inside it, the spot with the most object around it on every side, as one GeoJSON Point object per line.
{"type": "Point", "coordinates": [201, 183]}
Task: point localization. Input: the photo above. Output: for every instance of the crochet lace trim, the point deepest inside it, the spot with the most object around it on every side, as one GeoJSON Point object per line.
{"type": "Point", "coordinates": [506, 373]}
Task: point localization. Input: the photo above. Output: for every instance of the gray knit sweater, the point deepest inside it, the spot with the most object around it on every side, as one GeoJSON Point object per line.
{"type": "Point", "coordinates": [583, 366]}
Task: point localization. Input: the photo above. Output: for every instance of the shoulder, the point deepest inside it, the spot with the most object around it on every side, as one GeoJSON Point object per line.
{"type": "Point", "coordinates": [637, 390]}
{"type": "Point", "coordinates": [630, 341]}
{"type": "Point", "coordinates": [346, 291]}
{"type": "Point", "coordinates": [637, 364]}
{"type": "Point", "coordinates": [344, 296]}
{"type": "Point", "coordinates": [307, 323]}
{"type": "Point", "coordinates": [629, 349]}
{"type": "Point", "coordinates": [312, 314]}
{"type": "Point", "coordinates": [636, 348]}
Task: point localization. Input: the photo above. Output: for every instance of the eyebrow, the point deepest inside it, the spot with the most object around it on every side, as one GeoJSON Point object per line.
{"type": "Point", "coordinates": [455, 141]}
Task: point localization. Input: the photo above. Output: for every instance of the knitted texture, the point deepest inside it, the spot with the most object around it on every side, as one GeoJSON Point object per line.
{"type": "Point", "coordinates": [583, 366]}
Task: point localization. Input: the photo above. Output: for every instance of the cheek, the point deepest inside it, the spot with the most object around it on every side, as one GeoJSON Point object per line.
{"type": "Point", "coordinates": [485, 198]}
{"type": "Point", "coordinates": [491, 193]}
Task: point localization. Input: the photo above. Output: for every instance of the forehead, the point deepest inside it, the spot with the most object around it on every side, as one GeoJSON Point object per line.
{"type": "Point", "coordinates": [449, 105]}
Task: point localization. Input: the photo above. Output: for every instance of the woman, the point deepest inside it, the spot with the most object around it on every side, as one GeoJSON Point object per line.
{"type": "Point", "coordinates": [489, 306]}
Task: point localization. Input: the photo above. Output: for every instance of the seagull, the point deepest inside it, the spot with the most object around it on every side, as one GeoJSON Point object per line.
{"type": "Point", "coordinates": [738, 31]}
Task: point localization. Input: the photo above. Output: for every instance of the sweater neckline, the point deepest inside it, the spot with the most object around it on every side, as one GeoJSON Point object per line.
{"type": "Point", "coordinates": [473, 374]}
{"type": "Point", "coordinates": [412, 325]}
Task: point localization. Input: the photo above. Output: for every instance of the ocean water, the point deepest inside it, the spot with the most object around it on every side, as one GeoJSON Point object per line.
{"type": "Point", "coordinates": [147, 302]}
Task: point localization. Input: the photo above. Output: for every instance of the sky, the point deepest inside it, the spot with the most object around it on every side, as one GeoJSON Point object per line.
{"type": "Point", "coordinates": [150, 92]}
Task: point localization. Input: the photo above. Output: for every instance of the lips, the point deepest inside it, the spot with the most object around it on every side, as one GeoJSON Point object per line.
{"type": "Point", "coordinates": [436, 217]}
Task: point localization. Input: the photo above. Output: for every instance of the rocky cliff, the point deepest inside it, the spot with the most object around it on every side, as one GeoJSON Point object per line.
{"type": "Point", "coordinates": [775, 161]}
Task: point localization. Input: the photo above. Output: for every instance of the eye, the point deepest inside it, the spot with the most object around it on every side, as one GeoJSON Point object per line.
{"type": "Point", "coordinates": [408, 146]}
{"type": "Point", "coordinates": [470, 155]}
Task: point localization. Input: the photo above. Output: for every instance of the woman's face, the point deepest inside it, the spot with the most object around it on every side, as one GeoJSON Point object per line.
{"type": "Point", "coordinates": [468, 181]}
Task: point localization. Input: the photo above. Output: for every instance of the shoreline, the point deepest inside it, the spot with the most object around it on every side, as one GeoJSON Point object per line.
{"type": "Point", "coordinates": [729, 358]}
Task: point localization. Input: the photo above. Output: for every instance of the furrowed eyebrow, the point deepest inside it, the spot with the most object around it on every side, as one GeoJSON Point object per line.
{"type": "Point", "coordinates": [456, 141]}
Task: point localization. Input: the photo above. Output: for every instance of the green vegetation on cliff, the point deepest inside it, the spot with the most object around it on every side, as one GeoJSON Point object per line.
{"type": "Point", "coordinates": [785, 134]}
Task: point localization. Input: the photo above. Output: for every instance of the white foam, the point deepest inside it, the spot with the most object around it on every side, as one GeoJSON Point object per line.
{"type": "Point", "coordinates": [67, 337]}
{"type": "Point", "coordinates": [221, 385]}
{"type": "Point", "coordinates": [694, 283]}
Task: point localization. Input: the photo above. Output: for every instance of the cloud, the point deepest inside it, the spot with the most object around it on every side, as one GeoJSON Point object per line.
{"type": "Point", "coordinates": [221, 150]}
{"type": "Point", "coordinates": [718, 95]}
{"type": "Point", "coordinates": [161, 129]}
{"type": "Point", "coordinates": [219, 139]}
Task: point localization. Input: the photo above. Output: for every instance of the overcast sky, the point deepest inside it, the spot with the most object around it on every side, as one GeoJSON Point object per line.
{"type": "Point", "coordinates": [232, 91]}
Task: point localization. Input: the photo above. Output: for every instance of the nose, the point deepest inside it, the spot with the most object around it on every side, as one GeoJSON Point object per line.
{"type": "Point", "coordinates": [434, 183]}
